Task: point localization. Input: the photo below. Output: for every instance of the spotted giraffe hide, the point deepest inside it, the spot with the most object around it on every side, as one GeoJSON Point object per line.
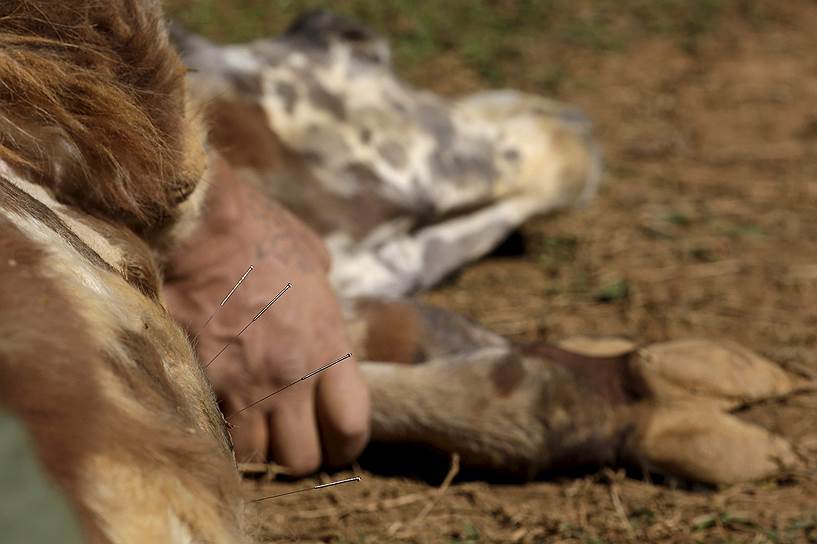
{"type": "Point", "coordinates": [404, 185]}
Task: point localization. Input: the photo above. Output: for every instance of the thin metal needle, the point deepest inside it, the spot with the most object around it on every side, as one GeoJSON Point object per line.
{"type": "Point", "coordinates": [223, 302]}
{"type": "Point", "coordinates": [313, 488]}
{"type": "Point", "coordinates": [253, 320]}
{"type": "Point", "coordinates": [321, 369]}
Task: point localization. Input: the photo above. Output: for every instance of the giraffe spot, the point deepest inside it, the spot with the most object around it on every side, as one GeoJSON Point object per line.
{"type": "Point", "coordinates": [507, 375]}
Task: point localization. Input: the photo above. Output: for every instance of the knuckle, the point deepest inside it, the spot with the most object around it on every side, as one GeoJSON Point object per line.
{"type": "Point", "coordinates": [353, 427]}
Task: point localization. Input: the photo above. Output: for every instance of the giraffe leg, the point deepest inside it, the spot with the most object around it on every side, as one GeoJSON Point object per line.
{"type": "Point", "coordinates": [446, 382]}
{"type": "Point", "coordinates": [529, 409]}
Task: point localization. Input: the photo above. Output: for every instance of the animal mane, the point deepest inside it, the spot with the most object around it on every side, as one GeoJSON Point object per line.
{"type": "Point", "coordinates": [93, 91]}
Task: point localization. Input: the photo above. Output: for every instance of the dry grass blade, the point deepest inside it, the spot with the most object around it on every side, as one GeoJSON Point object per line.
{"type": "Point", "coordinates": [615, 498]}
{"type": "Point", "coordinates": [267, 470]}
{"type": "Point", "coordinates": [429, 506]}
{"type": "Point", "coordinates": [404, 530]}
{"type": "Point", "coordinates": [376, 506]}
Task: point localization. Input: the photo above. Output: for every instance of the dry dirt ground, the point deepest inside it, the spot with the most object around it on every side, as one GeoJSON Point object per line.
{"type": "Point", "coordinates": [707, 226]}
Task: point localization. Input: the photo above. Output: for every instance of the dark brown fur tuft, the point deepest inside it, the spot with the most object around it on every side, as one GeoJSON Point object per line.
{"type": "Point", "coordinates": [92, 106]}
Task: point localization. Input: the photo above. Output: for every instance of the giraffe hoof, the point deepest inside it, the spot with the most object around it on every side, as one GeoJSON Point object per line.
{"type": "Point", "coordinates": [705, 445]}
{"type": "Point", "coordinates": [722, 374]}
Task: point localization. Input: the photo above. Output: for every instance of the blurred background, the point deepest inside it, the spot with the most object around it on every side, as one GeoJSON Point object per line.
{"type": "Point", "coordinates": [518, 43]}
{"type": "Point", "coordinates": [706, 226]}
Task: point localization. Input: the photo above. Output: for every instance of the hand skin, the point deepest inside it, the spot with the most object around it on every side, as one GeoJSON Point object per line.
{"type": "Point", "coordinates": [323, 420]}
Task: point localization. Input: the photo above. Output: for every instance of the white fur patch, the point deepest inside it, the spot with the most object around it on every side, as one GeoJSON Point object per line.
{"type": "Point", "coordinates": [109, 253]}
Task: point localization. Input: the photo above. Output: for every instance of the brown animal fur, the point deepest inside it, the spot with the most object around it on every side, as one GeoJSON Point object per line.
{"type": "Point", "coordinates": [38, 394]}
{"type": "Point", "coordinates": [96, 141]}
{"type": "Point", "coordinates": [93, 107]}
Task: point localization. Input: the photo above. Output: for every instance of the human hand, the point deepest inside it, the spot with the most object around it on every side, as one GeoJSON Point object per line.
{"type": "Point", "coordinates": [321, 420]}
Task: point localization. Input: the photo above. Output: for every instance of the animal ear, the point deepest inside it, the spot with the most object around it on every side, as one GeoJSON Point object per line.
{"type": "Point", "coordinates": [96, 108]}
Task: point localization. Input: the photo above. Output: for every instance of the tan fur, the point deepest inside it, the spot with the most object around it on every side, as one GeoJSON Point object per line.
{"type": "Point", "coordinates": [387, 331]}
{"type": "Point", "coordinates": [101, 163]}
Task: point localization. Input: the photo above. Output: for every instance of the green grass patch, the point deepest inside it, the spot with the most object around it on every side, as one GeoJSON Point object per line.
{"type": "Point", "coordinates": [497, 41]}
{"type": "Point", "coordinates": [614, 291]}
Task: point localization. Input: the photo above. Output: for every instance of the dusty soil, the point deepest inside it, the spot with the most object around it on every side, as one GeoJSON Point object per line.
{"type": "Point", "coordinates": [707, 226]}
